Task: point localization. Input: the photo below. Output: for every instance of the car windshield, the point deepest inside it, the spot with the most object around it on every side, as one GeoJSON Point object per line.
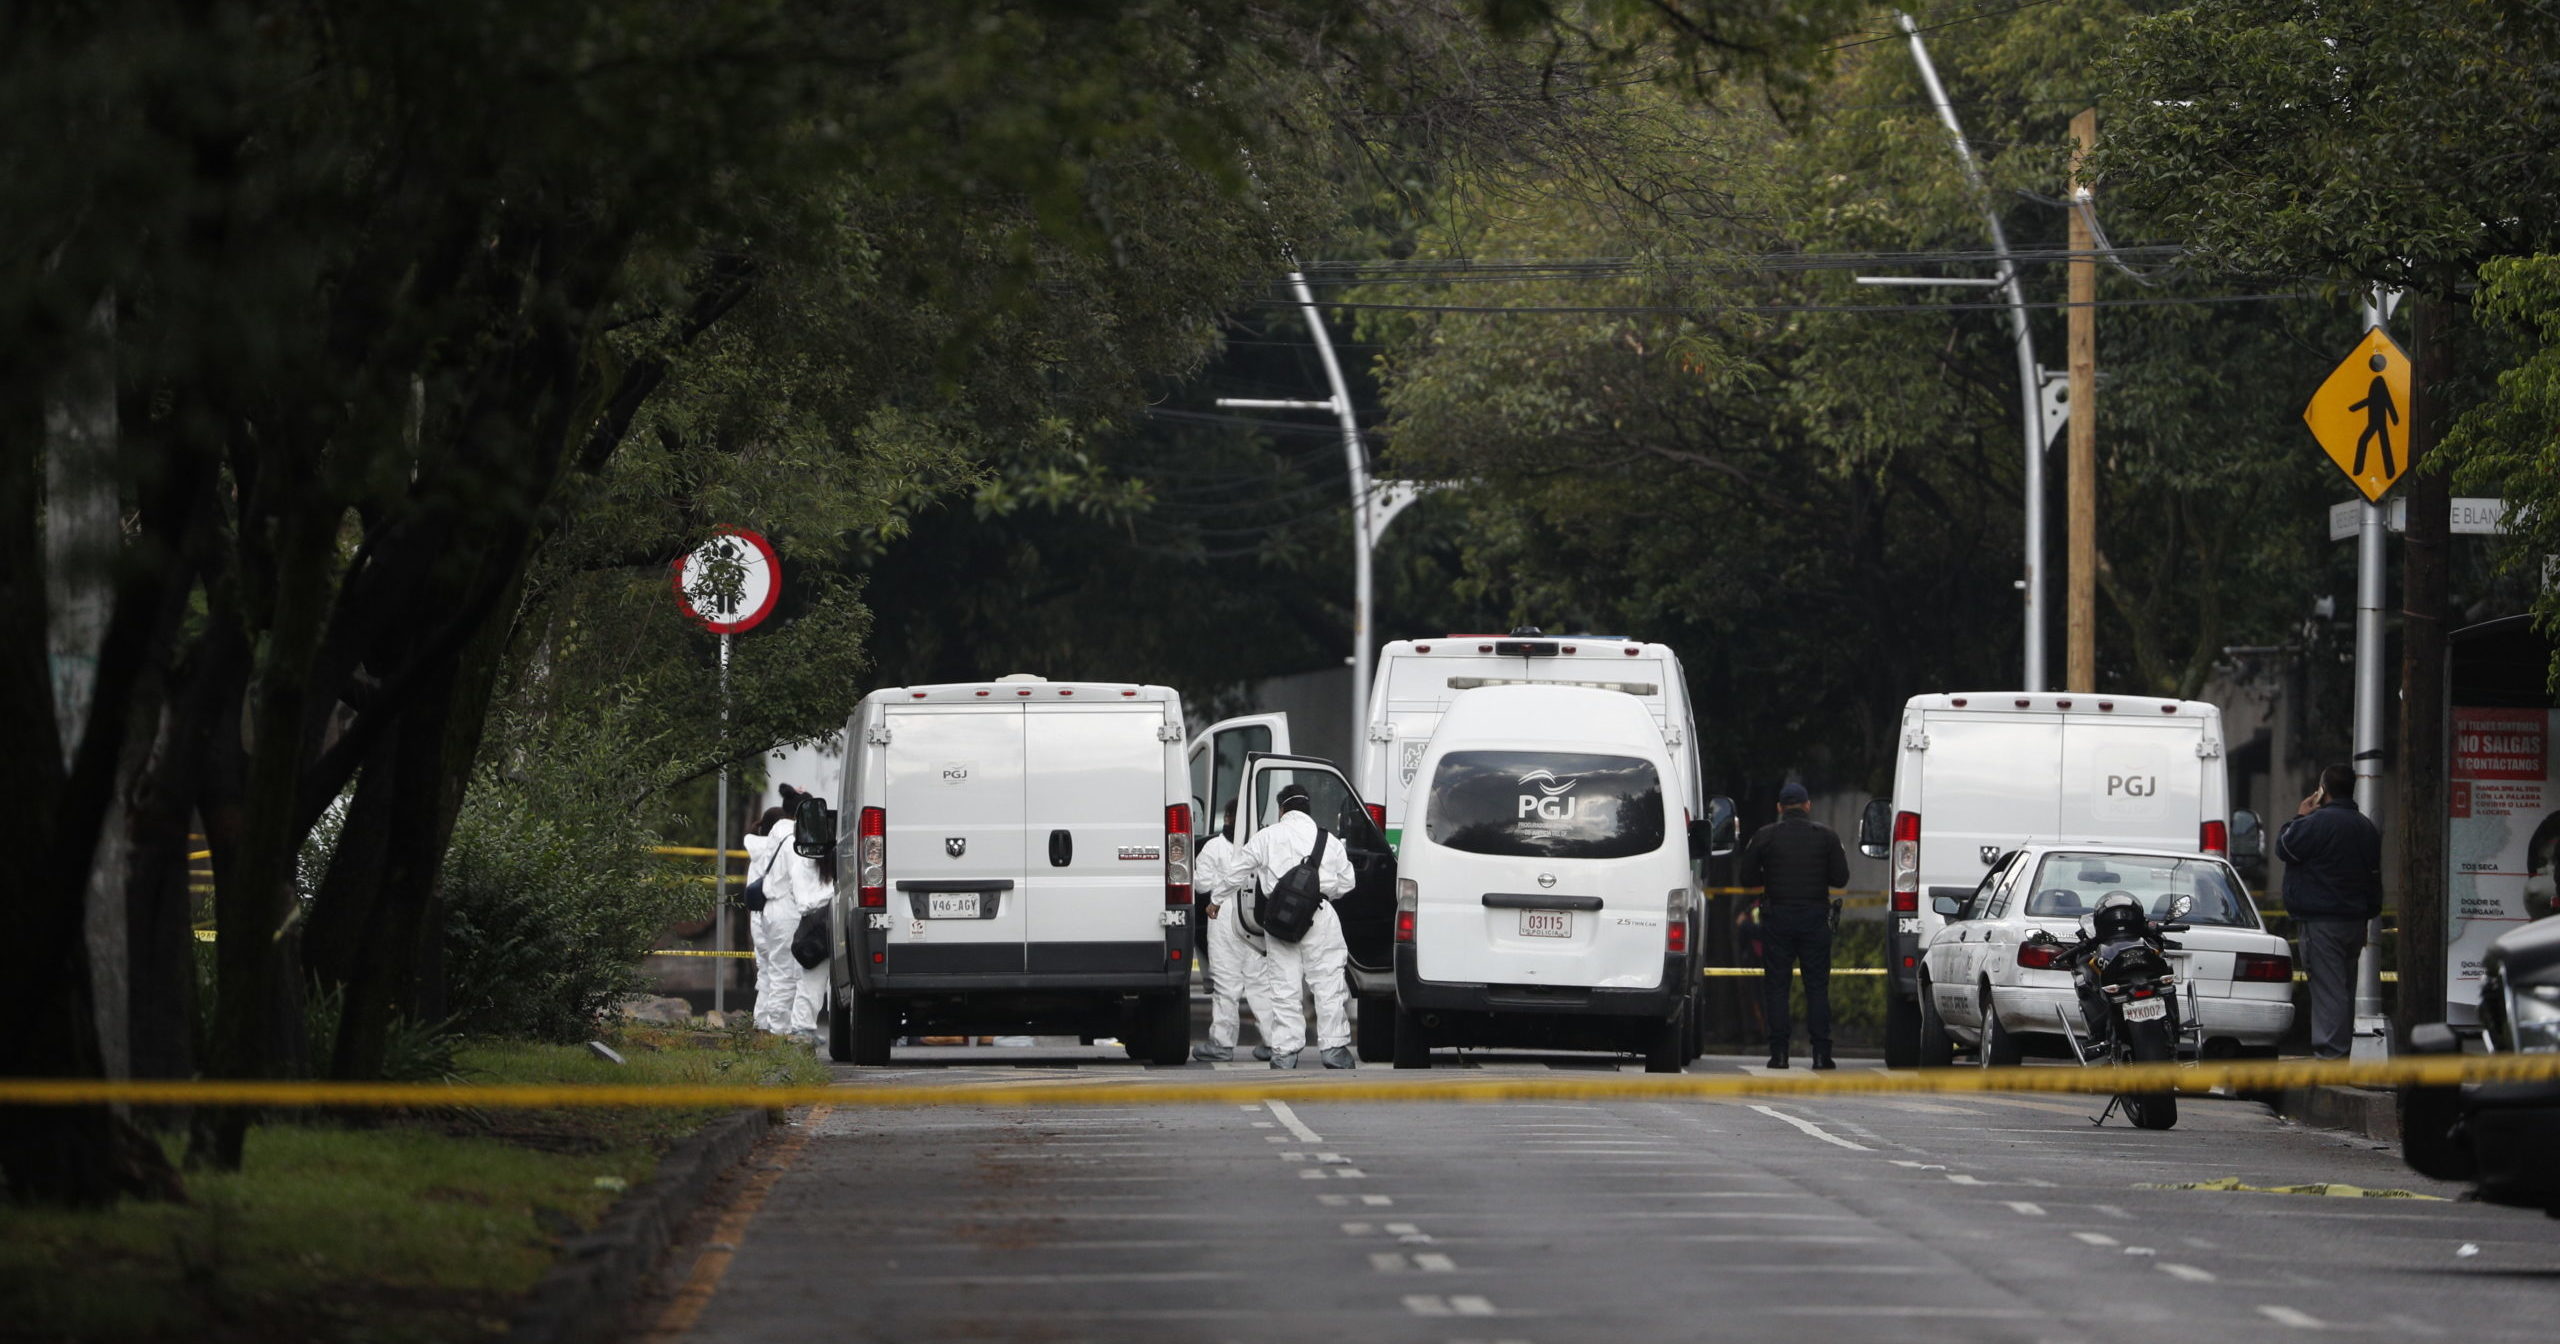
{"type": "Point", "coordinates": [2069, 885]}
{"type": "Point", "coordinates": [1546, 805]}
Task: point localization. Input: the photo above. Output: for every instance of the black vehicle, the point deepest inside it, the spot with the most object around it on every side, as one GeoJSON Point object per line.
{"type": "Point", "coordinates": [2128, 997]}
{"type": "Point", "coordinates": [2499, 1135]}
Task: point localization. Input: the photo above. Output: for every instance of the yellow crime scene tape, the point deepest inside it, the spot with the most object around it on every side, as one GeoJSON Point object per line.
{"type": "Point", "coordinates": [2249, 1076]}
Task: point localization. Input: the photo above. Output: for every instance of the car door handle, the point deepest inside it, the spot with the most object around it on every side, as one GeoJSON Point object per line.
{"type": "Point", "coordinates": [1062, 848]}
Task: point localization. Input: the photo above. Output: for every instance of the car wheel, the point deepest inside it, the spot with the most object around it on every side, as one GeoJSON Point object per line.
{"type": "Point", "coordinates": [1664, 1053]}
{"type": "Point", "coordinates": [2152, 1110]}
{"type": "Point", "coordinates": [1901, 1030]}
{"type": "Point", "coordinates": [1373, 1029]}
{"type": "Point", "coordinates": [874, 1026]}
{"type": "Point", "coordinates": [1413, 1048]}
{"type": "Point", "coordinates": [1937, 1049]}
{"type": "Point", "coordinates": [839, 1027]}
{"type": "Point", "coordinates": [1999, 1048]}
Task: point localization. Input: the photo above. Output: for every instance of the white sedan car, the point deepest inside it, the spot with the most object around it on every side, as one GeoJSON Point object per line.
{"type": "Point", "coordinates": [1986, 980]}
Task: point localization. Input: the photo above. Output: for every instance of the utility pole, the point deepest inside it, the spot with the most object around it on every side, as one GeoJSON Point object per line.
{"type": "Point", "coordinates": [2080, 671]}
{"type": "Point", "coordinates": [2030, 376]}
{"type": "Point", "coordinates": [1365, 524]}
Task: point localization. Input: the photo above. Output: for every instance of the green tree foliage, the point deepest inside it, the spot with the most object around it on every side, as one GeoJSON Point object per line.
{"type": "Point", "coordinates": [2510, 443]}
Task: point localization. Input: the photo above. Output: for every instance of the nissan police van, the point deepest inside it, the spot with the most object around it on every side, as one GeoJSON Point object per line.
{"type": "Point", "coordinates": [1013, 856]}
{"type": "Point", "coordinates": [1544, 891]}
{"type": "Point", "coordinates": [1981, 773]}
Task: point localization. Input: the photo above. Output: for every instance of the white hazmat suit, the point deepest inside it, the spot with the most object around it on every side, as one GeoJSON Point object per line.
{"type": "Point", "coordinates": [791, 891]}
{"type": "Point", "coordinates": [1314, 963]}
{"type": "Point", "coordinates": [772, 945]}
{"type": "Point", "coordinates": [1237, 969]}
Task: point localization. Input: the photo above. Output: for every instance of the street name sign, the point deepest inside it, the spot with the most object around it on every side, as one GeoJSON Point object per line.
{"type": "Point", "coordinates": [2470, 518]}
{"type": "Point", "coordinates": [2360, 415]}
{"type": "Point", "coordinates": [728, 584]}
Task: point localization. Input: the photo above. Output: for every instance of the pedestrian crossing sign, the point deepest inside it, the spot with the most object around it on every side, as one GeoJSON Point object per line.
{"type": "Point", "coordinates": [2360, 415]}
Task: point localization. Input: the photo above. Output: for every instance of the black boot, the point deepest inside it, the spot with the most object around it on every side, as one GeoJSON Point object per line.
{"type": "Point", "coordinates": [1778, 1055]}
{"type": "Point", "coordinates": [1822, 1055]}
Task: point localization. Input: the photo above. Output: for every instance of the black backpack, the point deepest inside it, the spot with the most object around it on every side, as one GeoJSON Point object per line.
{"type": "Point", "coordinates": [1288, 910]}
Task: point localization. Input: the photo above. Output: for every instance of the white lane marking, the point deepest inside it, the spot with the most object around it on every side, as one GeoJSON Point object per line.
{"type": "Point", "coordinates": [1421, 1304]}
{"type": "Point", "coordinates": [1358, 1229]}
{"type": "Point", "coordinates": [1350, 1173]}
{"type": "Point", "coordinates": [1333, 1201]}
{"type": "Point", "coordinates": [1471, 1306]}
{"type": "Point", "coordinates": [1811, 1128]}
{"type": "Point", "coordinates": [2188, 1272]}
{"type": "Point", "coordinates": [1274, 1138]}
{"type": "Point", "coordinates": [1403, 1230]}
{"type": "Point", "coordinates": [1289, 1121]}
{"type": "Point", "coordinates": [1264, 1124]}
{"type": "Point", "coordinates": [1249, 1107]}
{"type": "Point", "coordinates": [2096, 1238]}
{"type": "Point", "coordinates": [2141, 1250]}
{"type": "Point", "coordinates": [1919, 1166]}
{"type": "Point", "coordinates": [2299, 1320]}
{"type": "Point", "coordinates": [2024, 1209]}
{"type": "Point", "coordinates": [2113, 1212]}
{"type": "Point", "coordinates": [1388, 1262]}
{"type": "Point", "coordinates": [1434, 1263]}
{"type": "Point", "coordinates": [1311, 1173]}
{"type": "Point", "coordinates": [1377, 1201]}
{"type": "Point", "coordinates": [1960, 1178]}
{"type": "Point", "coordinates": [1293, 1157]}
{"type": "Point", "coordinates": [1331, 1157]}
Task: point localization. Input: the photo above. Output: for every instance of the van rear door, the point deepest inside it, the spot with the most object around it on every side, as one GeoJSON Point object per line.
{"type": "Point", "coordinates": [1988, 785]}
{"type": "Point", "coordinates": [1217, 762]}
{"type": "Point", "coordinates": [1094, 809]}
{"type": "Point", "coordinates": [954, 803]}
{"type": "Point", "coordinates": [2138, 782]}
{"type": "Point", "coordinates": [1368, 911]}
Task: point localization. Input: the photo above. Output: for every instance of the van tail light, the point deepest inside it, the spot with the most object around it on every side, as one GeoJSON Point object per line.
{"type": "Point", "coordinates": [1177, 854]}
{"type": "Point", "coordinates": [2263, 969]}
{"type": "Point", "coordinates": [2039, 956]}
{"type": "Point", "coordinates": [1378, 815]}
{"type": "Point", "coordinates": [1675, 925]}
{"type": "Point", "coordinates": [1906, 863]}
{"type": "Point", "coordinates": [873, 851]}
{"type": "Point", "coordinates": [2215, 838]}
{"type": "Point", "coordinates": [1408, 896]}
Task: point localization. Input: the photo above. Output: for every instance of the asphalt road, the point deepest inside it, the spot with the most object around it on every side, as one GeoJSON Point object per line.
{"type": "Point", "coordinates": [1907, 1219]}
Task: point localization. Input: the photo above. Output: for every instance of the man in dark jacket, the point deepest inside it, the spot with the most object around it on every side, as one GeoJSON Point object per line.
{"type": "Point", "coordinates": [2333, 889]}
{"type": "Point", "coordinates": [1797, 862]}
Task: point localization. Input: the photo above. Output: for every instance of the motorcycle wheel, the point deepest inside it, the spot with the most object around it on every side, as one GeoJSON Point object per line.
{"type": "Point", "coordinates": [2151, 1045]}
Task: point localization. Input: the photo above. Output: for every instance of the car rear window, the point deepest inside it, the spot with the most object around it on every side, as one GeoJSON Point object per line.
{"type": "Point", "coordinates": [1546, 805]}
{"type": "Point", "coordinates": [2069, 885]}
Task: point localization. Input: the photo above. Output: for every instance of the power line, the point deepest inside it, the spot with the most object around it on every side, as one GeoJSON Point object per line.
{"type": "Point", "coordinates": [1675, 310]}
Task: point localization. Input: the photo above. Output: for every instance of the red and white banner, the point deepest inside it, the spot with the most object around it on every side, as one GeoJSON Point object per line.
{"type": "Point", "coordinates": [2502, 824]}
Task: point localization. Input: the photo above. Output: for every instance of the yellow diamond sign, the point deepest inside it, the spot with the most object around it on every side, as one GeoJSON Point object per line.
{"type": "Point", "coordinates": [2360, 415]}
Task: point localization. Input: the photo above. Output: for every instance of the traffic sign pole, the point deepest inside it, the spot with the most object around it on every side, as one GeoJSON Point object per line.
{"type": "Point", "coordinates": [720, 849]}
{"type": "Point", "coordinates": [726, 585]}
{"type": "Point", "coordinates": [2372, 1035]}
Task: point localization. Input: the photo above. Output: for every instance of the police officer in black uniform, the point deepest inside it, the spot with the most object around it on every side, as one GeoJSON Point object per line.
{"type": "Point", "coordinates": [1797, 863]}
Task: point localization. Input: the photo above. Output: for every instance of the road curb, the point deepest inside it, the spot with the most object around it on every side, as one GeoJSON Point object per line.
{"type": "Point", "coordinates": [2369, 1111]}
{"type": "Point", "coordinates": [598, 1275]}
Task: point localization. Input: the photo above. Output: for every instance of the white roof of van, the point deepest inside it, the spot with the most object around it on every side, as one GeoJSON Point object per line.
{"type": "Point", "coordinates": [1020, 688]}
{"type": "Point", "coordinates": [2074, 702]}
{"type": "Point", "coordinates": [1574, 714]}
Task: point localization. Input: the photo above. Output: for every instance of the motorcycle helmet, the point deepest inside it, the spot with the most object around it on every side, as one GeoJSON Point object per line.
{"type": "Point", "coordinates": [2120, 915]}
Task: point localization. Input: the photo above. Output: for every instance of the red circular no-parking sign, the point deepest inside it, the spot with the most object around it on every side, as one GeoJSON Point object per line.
{"type": "Point", "coordinates": [728, 584]}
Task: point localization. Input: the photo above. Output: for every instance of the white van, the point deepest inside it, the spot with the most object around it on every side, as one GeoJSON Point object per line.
{"type": "Point", "coordinates": [1983, 772]}
{"type": "Point", "coordinates": [1544, 889]}
{"type": "Point", "coordinates": [1014, 856]}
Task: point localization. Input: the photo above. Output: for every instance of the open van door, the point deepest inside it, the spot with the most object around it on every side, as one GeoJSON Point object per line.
{"type": "Point", "coordinates": [1368, 910]}
{"type": "Point", "coordinates": [1217, 759]}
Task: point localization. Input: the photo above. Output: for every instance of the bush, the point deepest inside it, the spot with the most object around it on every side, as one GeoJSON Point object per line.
{"type": "Point", "coordinates": [552, 899]}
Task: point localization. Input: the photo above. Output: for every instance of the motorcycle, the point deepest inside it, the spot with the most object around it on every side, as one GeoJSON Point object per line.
{"type": "Point", "coordinates": [2128, 996]}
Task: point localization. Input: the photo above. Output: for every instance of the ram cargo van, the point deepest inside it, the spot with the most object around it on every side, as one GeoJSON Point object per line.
{"type": "Point", "coordinates": [1981, 773]}
{"type": "Point", "coordinates": [1014, 856]}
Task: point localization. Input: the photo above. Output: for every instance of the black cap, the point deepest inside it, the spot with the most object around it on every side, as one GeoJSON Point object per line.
{"type": "Point", "coordinates": [1292, 793]}
{"type": "Point", "coordinates": [1791, 793]}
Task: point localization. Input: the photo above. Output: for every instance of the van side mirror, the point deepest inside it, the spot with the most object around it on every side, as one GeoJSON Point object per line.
{"type": "Point", "coordinates": [813, 827]}
{"type": "Point", "coordinates": [2246, 825]}
{"type": "Point", "coordinates": [1724, 826]}
{"type": "Point", "coordinates": [1875, 828]}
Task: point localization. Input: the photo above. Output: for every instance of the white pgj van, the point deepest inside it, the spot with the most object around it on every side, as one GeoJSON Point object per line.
{"type": "Point", "coordinates": [1981, 773]}
{"type": "Point", "coordinates": [1013, 856]}
{"type": "Point", "coordinates": [1544, 892]}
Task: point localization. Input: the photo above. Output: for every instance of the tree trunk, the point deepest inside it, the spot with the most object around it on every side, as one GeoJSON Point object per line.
{"type": "Point", "coordinates": [2425, 572]}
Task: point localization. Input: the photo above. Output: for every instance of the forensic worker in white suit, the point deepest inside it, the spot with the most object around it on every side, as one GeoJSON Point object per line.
{"type": "Point", "coordinates": [1315, 962]}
